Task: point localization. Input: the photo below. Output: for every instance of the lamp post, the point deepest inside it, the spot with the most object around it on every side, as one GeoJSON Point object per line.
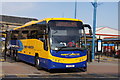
{"type": "Point", "coordinates": [95, 5]}
{"type": "Point", "coordinates": [6, 40]}
{"type": "Point", "coordinates": [75, 9]}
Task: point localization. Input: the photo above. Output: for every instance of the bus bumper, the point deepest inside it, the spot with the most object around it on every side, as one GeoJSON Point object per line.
{"type": "Point", "coordinates": [54, 65]}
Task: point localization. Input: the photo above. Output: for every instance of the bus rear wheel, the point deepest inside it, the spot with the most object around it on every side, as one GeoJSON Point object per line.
{"type": "Point", "coordinates": [12, 52]}
{"type": "Point", "coordinates": [16, 56]}
{"type": "Point", "coordinates": [37, 63]}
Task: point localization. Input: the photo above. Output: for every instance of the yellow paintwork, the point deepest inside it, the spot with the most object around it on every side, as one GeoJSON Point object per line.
{"type": "Point", "coordinates": [47, 20]}
{"type": "Point", "coordinates": [68, 60]}
{"type": "Point", "coordinates": [38, 48]}
{"type": "Point", "coordinates": [32, 46]}
{"type": "Point", "coordinates": [2, 35]}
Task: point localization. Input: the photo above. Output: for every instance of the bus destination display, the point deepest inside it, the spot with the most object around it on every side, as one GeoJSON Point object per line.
{"type": "Point", "coordinates": [67, 24]}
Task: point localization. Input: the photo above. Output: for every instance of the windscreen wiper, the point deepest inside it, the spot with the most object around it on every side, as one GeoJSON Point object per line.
{"type": "Point", "coordinates": [60, 48]}
{"type": "Point", "coordinates": [71, 49]}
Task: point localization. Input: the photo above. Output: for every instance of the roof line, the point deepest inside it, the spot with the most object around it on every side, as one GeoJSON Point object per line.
{"type": "Point", "coordinates": [105, 34]}
{"type": "Point", "coordinates": [111, 28]}
{"type": "Point", "coordinates": [14, 16]}
{"type": "Point", "coordinates": [101, 28]}
{"type": "Point", "coordinates": [109, 37]}
{"type": "Point", "coordinates": [9, 23]}
{"type": "Point", "coordinates": [106, 27]}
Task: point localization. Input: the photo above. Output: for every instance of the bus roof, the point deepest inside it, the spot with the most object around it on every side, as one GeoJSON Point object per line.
{"type": "Point", "coordinates": [47, 20]}
{"type": "Point", "coordinates": [71, 19]}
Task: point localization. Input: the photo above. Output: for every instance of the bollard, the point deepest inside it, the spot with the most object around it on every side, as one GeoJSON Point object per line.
{"type": "Point", "coordinates": [98, 58]}
{"type": "Point", "coordinates": [89, 56]}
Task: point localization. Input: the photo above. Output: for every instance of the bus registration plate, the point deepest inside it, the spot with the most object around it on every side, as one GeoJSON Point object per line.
{"type": "Point", "coordinates": [70, 65]}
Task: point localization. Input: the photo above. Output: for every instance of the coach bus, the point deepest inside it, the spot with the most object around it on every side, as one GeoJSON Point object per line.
{"type": "Point", "coordinates": [51, 43]}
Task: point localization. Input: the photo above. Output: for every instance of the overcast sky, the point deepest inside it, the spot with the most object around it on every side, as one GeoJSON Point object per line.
{"type": "Point", "coordinates": [107, 12]}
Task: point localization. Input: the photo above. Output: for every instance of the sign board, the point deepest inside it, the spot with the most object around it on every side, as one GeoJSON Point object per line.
{"type": "Point", "coordinates": [99, 45]}
{"type": "Point", "coordinates": [67, 24]}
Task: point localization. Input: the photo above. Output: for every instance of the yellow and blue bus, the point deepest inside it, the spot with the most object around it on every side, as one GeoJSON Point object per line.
{"type": "Point", "coordinates": [51, 43]}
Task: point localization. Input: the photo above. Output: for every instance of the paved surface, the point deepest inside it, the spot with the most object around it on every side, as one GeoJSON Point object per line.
{"type": "Point", "coordinates": [104, 68]}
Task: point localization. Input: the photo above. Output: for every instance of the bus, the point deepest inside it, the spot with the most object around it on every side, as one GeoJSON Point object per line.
{"type": "Point", "coordinates": [51, 43]}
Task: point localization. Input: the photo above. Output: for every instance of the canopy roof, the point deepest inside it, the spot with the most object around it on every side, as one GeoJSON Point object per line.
{"type": "Point", "coordinates": [106, 32]}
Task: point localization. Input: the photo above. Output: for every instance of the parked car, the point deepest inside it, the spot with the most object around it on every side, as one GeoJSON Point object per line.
{"type": "Point", "coordinates": [117, 54]}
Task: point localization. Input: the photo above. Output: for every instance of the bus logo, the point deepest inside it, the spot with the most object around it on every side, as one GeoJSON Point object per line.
{"type": "Point", "coordinates": [70, 54]}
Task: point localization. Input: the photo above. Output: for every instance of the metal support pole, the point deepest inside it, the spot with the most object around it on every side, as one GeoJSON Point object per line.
{"type": "Point", "coordinates": [6, 41]}
{"type": "Point", "coordinates": [75, 9]}
{"type": "Point", "coordinates": [94, 28]}
{"type": "Point", "coordinates": [5, 46]}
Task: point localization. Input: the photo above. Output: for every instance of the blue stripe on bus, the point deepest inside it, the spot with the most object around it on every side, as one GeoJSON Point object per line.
{"type": "Point", "coordinates": [58, 54]}
{"type": "Point", "coordinates": [26, 58]}
{"type": "Point", "coordinates": [48, 64]}
{"type": "Point", "coordinates": [54, 65]}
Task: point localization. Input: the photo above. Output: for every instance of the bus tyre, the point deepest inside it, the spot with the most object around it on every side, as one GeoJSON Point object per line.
{"type": "Point", "coordinates": [13, 54]}
{"type": "Point", "coordinates": [37, 63]}
{"type": "Point", "coordinates": [51, 70]}
{"type": "Point", "coordinates": [84, 69]}
{"type": "Point", "coordinates": [16, 56]}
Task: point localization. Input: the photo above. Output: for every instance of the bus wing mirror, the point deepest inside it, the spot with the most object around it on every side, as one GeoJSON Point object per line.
{"type": "Point", "coordinates": [45, 45]}
{"type": "Point", "coordinates": [89, 27]}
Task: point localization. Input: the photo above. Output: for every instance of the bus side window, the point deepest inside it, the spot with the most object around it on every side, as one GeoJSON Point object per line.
{"type": "Point", "coordinates": [33, 34]}
{"type": "Point", "coordinates": [24, 35]}
{"type": "Point", "coordinates": [14, 35]}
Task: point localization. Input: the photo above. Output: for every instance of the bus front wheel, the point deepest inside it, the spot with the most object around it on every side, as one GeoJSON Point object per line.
{"type": "Point", "coordinates": [37, 63]}
{"type": "Point", "coordinates": [84, 69]}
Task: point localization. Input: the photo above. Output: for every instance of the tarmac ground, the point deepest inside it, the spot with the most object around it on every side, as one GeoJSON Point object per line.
{"type": "Point", "coordinates": [107, 68]}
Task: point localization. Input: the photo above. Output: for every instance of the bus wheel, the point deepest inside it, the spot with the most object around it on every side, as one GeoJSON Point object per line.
{"type": "Point", "coordinates": [16, 56]}
{"type": "Point", "coordinates": [13, 54]}
{"type": "Point", "coordinates": [84, 69]}
{"type": "Point", "coordinates": [37, 63]}
{"type": "Point", "coordinates": [51, 70]}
